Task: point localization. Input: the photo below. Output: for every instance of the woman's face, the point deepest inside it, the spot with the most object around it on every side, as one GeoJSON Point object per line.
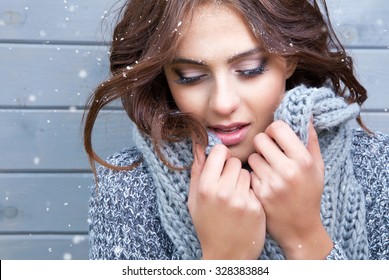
{"type": "Point", "coordinates": [223, 76]}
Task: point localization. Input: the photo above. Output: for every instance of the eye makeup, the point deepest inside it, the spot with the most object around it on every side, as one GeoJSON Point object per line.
{"type": "Point", "coordinates": [252, 72]}
{"type": "Point", "coordinates": [247, 64]}
{"type": "Point", "coordinates": [188, 77]}
{"type": "Point", "coordinates": [196, 76]}
{"type": "Point", "coordinates": [188, 80]}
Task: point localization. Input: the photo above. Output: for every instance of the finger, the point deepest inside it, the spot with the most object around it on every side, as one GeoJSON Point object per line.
{"type": "Point", "coordinates": [197, 167]}
{"type": "Point", "coordinates": [198, 161]}
{"type": "Point", "coordinates": [214, 164]}
{"type": "Point", "coordinates": [313, 145]}
{"type": "Point", "coordinates": [255, 184]}
{"type": "Point", "coordinates": [255, 200]}
{"type": "Point", "coordinates": [262, 190]}
{"type": "Point", "coordinates": [243, 183]}
{"type": "Point", "coordinates": [270, 151]}
{"type": "Point", "coordinates": [259, 165]}
{"type": "Point", "coordinates": [231, 174]}
{"type": "Point", "coordinates": [286, 139]}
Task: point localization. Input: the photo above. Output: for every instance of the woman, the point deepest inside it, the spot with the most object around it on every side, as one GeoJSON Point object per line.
{"type": "Point", "coordinates": [243, 144]}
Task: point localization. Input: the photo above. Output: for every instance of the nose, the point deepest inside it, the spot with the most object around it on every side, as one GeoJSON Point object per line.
{"type": "Point", "coordinates": [225, 98]}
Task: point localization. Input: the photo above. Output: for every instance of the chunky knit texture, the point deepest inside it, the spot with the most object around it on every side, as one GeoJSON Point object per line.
{"type": "Point", "coordinates": [343, 211]}
{"type": "Point", "coordinates": [172, 192]}
{"type": "Point", "coordinates": [122, 228]}
{"type": "Point", "coordinates": [343, 204]}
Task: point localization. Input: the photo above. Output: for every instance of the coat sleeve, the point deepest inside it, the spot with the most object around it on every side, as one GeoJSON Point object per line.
{"type": "Point", "coordinates": [371, 169]}
{"type": "Point", "coordinates": [371, 162]}
{"type": "Point", "coordinates": [123, 215]}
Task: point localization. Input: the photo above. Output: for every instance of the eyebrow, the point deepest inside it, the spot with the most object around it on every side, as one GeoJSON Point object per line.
{"type": "Point", "coordinates": [182, 60]}
{"type": "Point", "coordinates": [244, 54]}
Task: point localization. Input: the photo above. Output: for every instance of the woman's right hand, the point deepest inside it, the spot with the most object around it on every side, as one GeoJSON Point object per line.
{"type": "Point", "coordinates": [229, 219]}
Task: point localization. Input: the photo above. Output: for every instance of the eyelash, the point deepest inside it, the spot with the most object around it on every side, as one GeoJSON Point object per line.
{"type": "Point", "coordinates": [187, 81]}
{"type": "Point", "coordinates": [253, 72]}
{"type": "Point", "coordinates": [250, 73]}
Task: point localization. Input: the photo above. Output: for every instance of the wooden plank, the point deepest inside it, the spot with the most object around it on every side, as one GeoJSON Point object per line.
{"type": "Point", "coordinates": [51, 140]}
{"type": "Point", "coordinates": [44, 247]}
{"type": "Point", "coordinates": [378, 121]}
{"type": "Point", "coordinates": [361, 24]}
{"type": "Point", "coordinates": [66, 75]}
{"type": "Point", "coordinates": [44, 203]}
{"type": "Point", "coordinates": [61, 20]}
{"type": "Point", "coordinates": [50, 75]}
{"type": "Point", "coordinates": [372, 69]}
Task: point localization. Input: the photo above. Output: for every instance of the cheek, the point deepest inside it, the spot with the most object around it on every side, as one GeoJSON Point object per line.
{"type": "Point", "coordinates": [181, 103]}
{"type": "Point", "coordinates": [188, 101]}
{"type": "Point", "coordinates": [267, 93]}
{"type": "Point", "coordinates": [276, 88]}
{"type": "Point", "coordinates": [177, 94]}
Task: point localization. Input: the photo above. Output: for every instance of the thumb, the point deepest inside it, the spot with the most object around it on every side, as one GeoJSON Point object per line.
{"type": "Point", "coordinates": [197, 167]}
{"type": "Point", "coordinates": [313, 145]}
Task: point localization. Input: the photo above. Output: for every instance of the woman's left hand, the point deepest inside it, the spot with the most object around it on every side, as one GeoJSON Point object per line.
{"type": "Point", "coordinates": [288, 179]}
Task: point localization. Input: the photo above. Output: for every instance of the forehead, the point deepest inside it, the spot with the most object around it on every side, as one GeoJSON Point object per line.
{"type": "Point", "coordinates": [211, 10]}
{"type": "Point", "coordinates": [215, 26]}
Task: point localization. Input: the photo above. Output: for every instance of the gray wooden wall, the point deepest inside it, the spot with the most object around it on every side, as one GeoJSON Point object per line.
{"type": "Point", "coordinates": [52, 57]}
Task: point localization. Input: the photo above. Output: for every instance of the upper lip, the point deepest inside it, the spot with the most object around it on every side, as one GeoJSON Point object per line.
{"type": "Point", "coordinates": [228, 126]}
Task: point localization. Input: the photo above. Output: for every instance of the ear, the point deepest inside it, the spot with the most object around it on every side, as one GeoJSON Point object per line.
{"type": "Point", "coordinates": [291, 65]}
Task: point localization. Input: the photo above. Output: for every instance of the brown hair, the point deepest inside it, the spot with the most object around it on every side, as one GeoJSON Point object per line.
{"type": "Point", "coordinates": [145, 39]}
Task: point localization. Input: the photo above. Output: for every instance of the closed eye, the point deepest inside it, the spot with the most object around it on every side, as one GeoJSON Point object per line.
{"type": "Point", "coordinates": [189, 76]}
{"type": "Point", "coordinates": [188, 80]}
{"type": "Point", "coordinates": [249, 73]}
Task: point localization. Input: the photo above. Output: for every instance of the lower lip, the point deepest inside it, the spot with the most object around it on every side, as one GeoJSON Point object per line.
{"type": "Point", "coordinates": [233, 137]}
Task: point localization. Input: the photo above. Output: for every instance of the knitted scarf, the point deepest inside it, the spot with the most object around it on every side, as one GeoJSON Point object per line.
{"type": "Point", "coordinates": [342, 204]}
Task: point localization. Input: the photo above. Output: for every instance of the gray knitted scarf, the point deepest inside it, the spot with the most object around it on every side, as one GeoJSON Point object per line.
{"type": "Point", "coordinates": [342, 204]}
